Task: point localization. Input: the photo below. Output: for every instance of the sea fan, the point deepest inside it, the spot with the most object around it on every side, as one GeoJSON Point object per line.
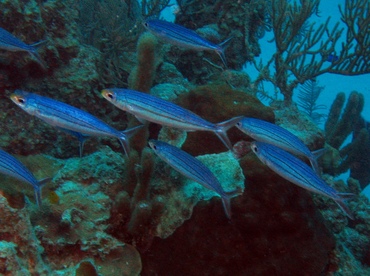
{"type": "Point", "coordinates": [308, 95]}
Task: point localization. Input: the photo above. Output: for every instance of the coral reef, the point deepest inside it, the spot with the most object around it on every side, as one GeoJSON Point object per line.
{"type": "Point", "coordinates": [106, 214]}
{"type": "Point", "coordinates": [273, 221]}
{"type": "Point", "coordinates": [99, 212]}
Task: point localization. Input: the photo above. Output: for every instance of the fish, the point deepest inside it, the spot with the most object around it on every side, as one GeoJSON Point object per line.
{"type": "Point", "coordinates": [10, 43]}
{"type": "Point", "coordinates": [332, 58]}
{"type": "Point", "coordinates": [147, 107]}
{"type": "Point", "coordinates": [263, 131]}
{"type": "Point", "coordinates": [296, 171]}
{"type": "Point", "coordinates": [10, 166]}
{"type": "Point", "coordinates": [183, 37]}
{"type": "Point", "coordinates": [70, 119]}
{"type": "Point", "coordinates": [194, 169]}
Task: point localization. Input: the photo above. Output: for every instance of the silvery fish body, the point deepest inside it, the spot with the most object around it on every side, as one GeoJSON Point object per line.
{"type": "Point", "coordinates": [14, 168]}
{"type": "Point", "coordinates": [273, 134]}
{"type": "Point", "coordinates": [10, 43]}
{"type": "Point", "coordinates": [183, 37]}
{"type": "Point", "coordinates": [296, 171]}
{"type": "Point", "coordinates": [69, 118]}
{"type": "Point", "coordinates": [192, 168]}
{"type": "Point", "coordinates": [156, 110]}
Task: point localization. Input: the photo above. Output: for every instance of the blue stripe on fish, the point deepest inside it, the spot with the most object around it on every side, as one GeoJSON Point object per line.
{"type": "Point", "coordinates": [71, 119]}
{"type": "Point", "coordinates": [183, 37]}
{"type": "Point", "coordinates": [192, 168]}
{"type": "Point", "coordinates": [156, 110]}
{"type": "Point", "coordinates": [10, 43]}
{"type": "Point", "coordinates": [14, 168]}
{"type": "Point", "coordinates": [273, 134]}
{"type": "Point", "coordinates": [294, 170]}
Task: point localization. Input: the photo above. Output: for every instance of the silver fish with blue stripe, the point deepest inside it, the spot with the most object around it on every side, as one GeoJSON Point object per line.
{"type": "Point", "coordinates": [9, 165]}
{"type": "Point", "coordinates": [183, 37]}
{"type": "Point", "coordinates": [69, 118]}
{"type": "Point", "coordinates": [296, 171]}
{"type": "Point", "coordinates": [147, 107]}
{"type": "Point", "coordinates": [263, 131]}
{"type": "Point", "coordinates": [10, 43]}
{"type": "Point", "coordinates": [192, 168]}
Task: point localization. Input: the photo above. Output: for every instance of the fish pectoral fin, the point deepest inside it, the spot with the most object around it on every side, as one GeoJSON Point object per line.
{"type": "Point", "coordinates": [141, 120]}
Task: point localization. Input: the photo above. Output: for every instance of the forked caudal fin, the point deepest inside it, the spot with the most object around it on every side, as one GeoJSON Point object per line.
{"type": "Point", "coordinates": [38, 189]}
{"type": "Point", "coordinates": [222, 128]}
{"type": "Point", "coordinates": [221, 50]}
{"type": "Point", "coordinates": [36, 55]}
{"type": "Point", "coordinates": [126, 135]}
{"type": "Point", "coordinates": [226, 200]}
{"type": "Point", "coordinates": [342, 204]}
{"type": "Point", "coordinates": [313, 160]}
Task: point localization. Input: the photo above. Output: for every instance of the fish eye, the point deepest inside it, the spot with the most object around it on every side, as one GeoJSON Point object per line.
{"type": "Point", "coordinates": [254, 148]}
{"type": "Point", "coordinates": [21, 100]}
{"type": "Point", "coordinates": [110, 95]}
{"type": "Point", "coordinates": [238, 124]}
{"type": "Point", "coordinates": [154, 147]}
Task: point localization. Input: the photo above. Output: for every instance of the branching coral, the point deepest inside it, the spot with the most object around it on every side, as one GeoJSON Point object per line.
{"type": "Point", "coordinates": [300, 57]}
{"type": "Point", "coordinates": [308, 95]}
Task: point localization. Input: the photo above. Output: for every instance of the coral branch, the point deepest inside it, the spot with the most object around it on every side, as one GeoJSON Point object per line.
{"type": "Point", "coordinates": [304, 52]}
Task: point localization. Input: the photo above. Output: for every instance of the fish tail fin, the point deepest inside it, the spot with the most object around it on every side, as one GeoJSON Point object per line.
{"type": "Point", "coordinates": [341, 203]}
{"type": "Point", "coordinates": [38, 59]}
{"type": "Point", "coordinates": [221, 50]}
{"type": "Point", "coordinates": [126, 135]}
{"type": "Point", "coordinates": [38, 189]}
{"type": "Point", "coordinates": [313, 160]}
{"type": "Point", "coordinates": [226, 200]}
{"type": "Point", "coordinates": [33, 51]}
{"type": "Point", "coordinates": [223, 127]}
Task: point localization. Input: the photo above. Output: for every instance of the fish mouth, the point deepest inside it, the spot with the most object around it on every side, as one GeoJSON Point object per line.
{"type": "Point", "coordinates": [16, 99]}
{"type": "Point", "coordinates": [107, 94]}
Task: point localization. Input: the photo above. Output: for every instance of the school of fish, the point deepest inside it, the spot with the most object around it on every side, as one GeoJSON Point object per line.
{"type": "Point", "coordinates": [274, 146]}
